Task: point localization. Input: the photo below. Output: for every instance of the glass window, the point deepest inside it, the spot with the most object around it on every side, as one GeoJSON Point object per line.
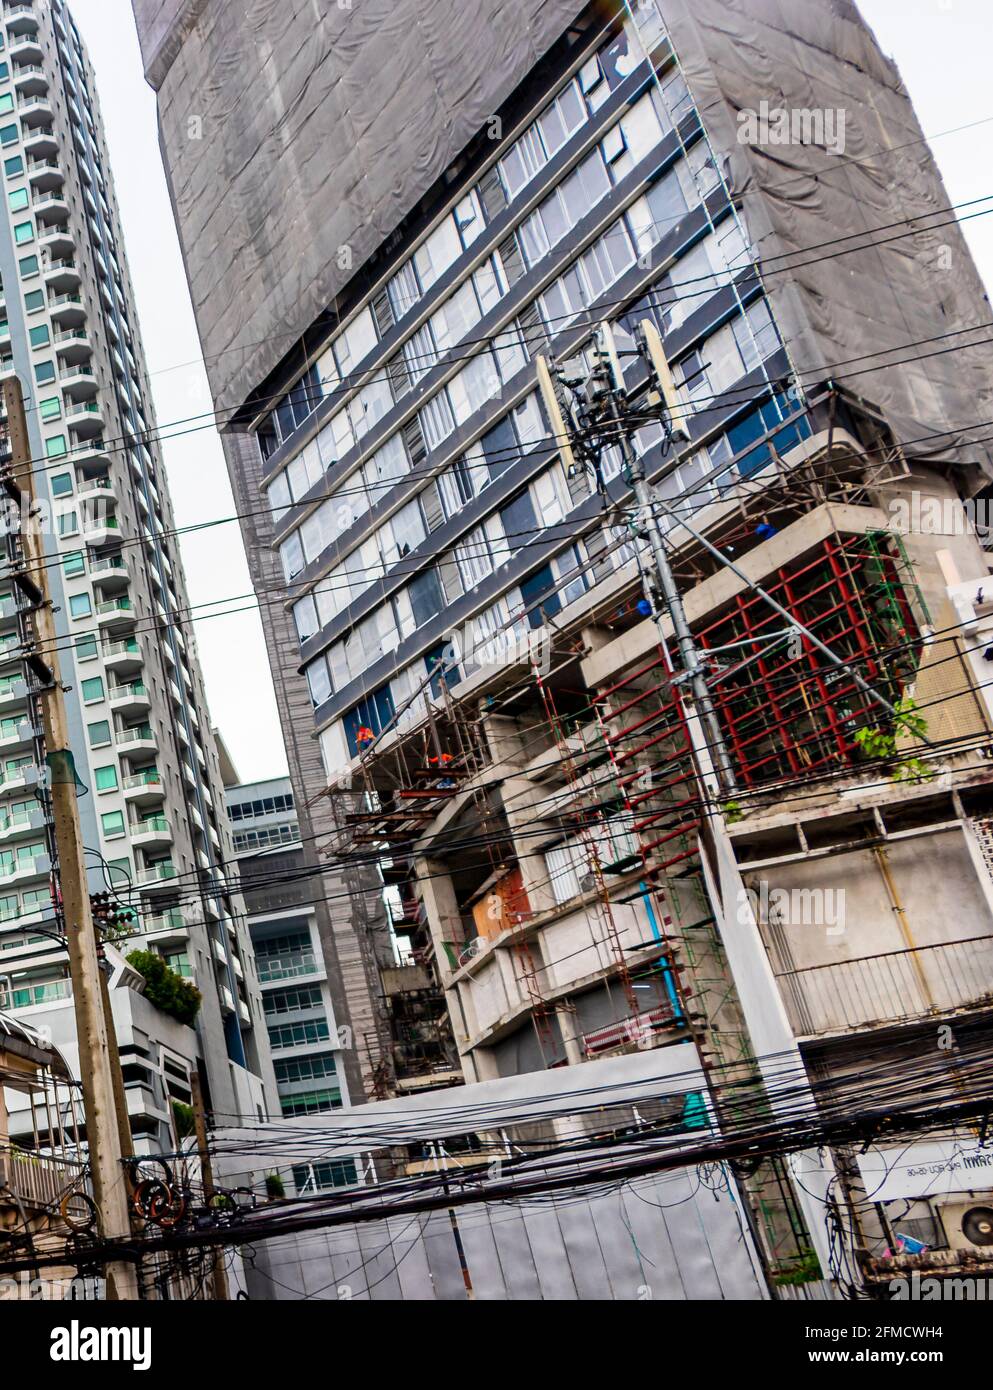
{"type": "Point", "coordinates": [61, 484]}
{"type": "Point", "coordinates": [291, 554]}
{"type": "Point", "coordinates": [74, 564]}
{"type": "Point", "coordinates": [13, 166]}
{"type": "Point", "coordinates": [55, 447]}
{"type": "Point", "coordinates": [93, 689]}
{"type": "Point", "coordinates": [425, 596]}
{"type": "Point", "coordinates": [80, 606]}
{"type": "Point", "coordinates": [50, 408]}
{"type": "Point", "coordinates": [40, 336]}
{"type": "Point", "coordinates": [499, 446]}
{"type": "Point", "coordinates": [98, 734]}
{"type": "Point", "coordinates": [8, 135]}
{"type": "Point", "coordinates": [105, 778]}
{"type": "Point", "coordinates": [356, 342]}
{"type": "Point", "coordinates": [305, 617]}
{"type": "Point", "coordinates": [44, 372]}
{"type": "Point", "coordinates": [319, 681]}
{"type": "Point", "coordinates": [19, 199]}
{"type": "Point", "coordinates": [433, 258]}
{"type": "Point", "coordinates": [112, 823]}
{"type": "Point", "coordinates": [28, 266]}
{"type": "Point", "coordinates": [278, 494]}
{"type": "Point", "coordinates": [404, 290]}
{"type": "Point", "coordinates": [23, 232]}
{"type": "Point", "coordinates": [6, 103]}
{"type": "Point", "coordinates": [436, 420]}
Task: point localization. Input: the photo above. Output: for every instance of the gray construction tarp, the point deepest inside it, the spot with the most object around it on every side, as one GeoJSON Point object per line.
{"type": "Point", "coordinates": [295, 128]}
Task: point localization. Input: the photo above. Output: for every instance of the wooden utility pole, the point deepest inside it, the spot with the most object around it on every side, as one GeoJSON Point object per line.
{"type": "Point", "coordinates": [103, 1136]}
{"type": "Point", "coordinates": [207, 1173]}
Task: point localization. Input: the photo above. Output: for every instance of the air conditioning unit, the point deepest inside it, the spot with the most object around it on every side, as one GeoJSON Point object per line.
{"type": "Point", "coordinates": [969, 1225]}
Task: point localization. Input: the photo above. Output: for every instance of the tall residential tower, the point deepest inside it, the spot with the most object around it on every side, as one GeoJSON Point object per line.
{"type": "Point", "coordinates": [151, 801]}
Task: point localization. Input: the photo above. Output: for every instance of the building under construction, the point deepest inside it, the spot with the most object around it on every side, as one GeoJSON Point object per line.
{"type": "Point", "coordinates": [579, 864]}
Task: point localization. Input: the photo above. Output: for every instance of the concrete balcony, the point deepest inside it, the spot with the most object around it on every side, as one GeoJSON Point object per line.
{"type": "Point", "coordinates": [139, 740]}
{"type": "Point", "coordinates": [20, 20]}
{"type": "Point", "coordinates": [9, 610]}
{"type": "Point", "coordinates": [13, 691]}
{"type": "Point", "coordinates": [62, 275]}
{"type": "Point", "coordinates": [112, 572]}
{"type": "Point", "coordinates": [40, 141]}
{"type": "Point", "coordinates": [20, 870]}
{"type": "Point", "coordinates": [85, 417]}
{"type": "Point", "coordinates": [99, 530]}
{"type": "Point", "coordinates": [73, 345]}
{"type": "Point", "coordinates": [68, 310]}
{"type": "Point", "coordinates": [35, 111]}
{"type": "Point", "coordinates": [45, 173]}
{"type": "Point", "coordinates": [130, 699]}
{"type": "Point", "coordinates": [23, 736]}
{"type": "Point", "coordinates": [30, 79]}
{"type": "Point", "coordinates": [15, 824]}
{"type": "Point", "coordinates": [79, 382]}
{"type": "Point", "coordinates": [152, 832]}
{"type": "Point", "coordinates": [91, 458]}
{"type": "Point", "coordinates": [25, 48]}
{"type": "Point", "coordinates": [170, 923]}
{"type": "Point", "coordinates": [96, 491]}
{"type": "Point", "coordinates": [49, 206]}
{"type": "Point", "coordinates": [14, 997]}
{"type": "Point", "coordinates": [157, 876]}
{"type": "Point", "coordinates": [123, 656]}
{"type": "Point", "coordinates": [116, 612]}
{"type": "Point", "coordinates": [144, 788]}
{"type": "Point", "coordinates": [894, 987]}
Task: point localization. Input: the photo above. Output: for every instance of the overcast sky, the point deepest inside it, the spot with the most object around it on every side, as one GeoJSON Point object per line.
{"type": "Point", "coordinates": [941, 46]}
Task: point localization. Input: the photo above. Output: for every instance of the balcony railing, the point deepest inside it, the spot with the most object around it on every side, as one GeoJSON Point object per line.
{"type": "Point", "coordinates": [893, 987]}
{"type": "Point", "coordinates": [29, 996]}
{"type": "Point", "coordinates": [37, 1181]}
{"type": "Point", "coordinates": [157, 873]}
{"type": "Point", "coordinates": [286, 967]}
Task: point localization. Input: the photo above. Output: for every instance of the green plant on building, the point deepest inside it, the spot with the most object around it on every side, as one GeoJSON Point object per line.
{"type": "Point", "coordinates": [184, 1118]}
{"type": "Point", "coordinates": [880, 743]}
{"type": "Point", "coordinates": [166, 989]}
{"type": "Point", "coordinates": [274, 1187]}
{"type": "Point", "coordinates": [804, 1269]}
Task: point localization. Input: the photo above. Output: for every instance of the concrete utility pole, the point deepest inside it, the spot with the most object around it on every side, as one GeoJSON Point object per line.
{"type": "Point", "coordinates": [603, 391]}
{"type": "Point", "coordinates": [207, 1173]}
{"type": "Point", "coordinates": [103, 1135]}
{"type": "Point", "coordinates": [766, 1022]}
{"type": "Point", "coordinates": [648, 516]}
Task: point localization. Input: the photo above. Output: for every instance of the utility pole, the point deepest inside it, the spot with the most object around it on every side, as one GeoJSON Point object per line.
{"type": "Point", "coordinates": [103, 1137]}
{"type": "Point", "coordinates": [603, 389]}
{"type": "Point", "coordinates": [603, 415]}
{"type": "Point", "coordinates": [207, 1173]}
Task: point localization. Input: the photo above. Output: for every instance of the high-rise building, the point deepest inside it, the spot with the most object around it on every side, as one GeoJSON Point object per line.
{"type": "Point", "coordinates": [458, 610]}
{"type": "Point", "coordinates": [151, 800]}
{"type": "Point", "coordinates": [303, 1035]}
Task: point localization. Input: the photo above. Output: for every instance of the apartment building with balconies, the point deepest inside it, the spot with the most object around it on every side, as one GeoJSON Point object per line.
{"type": "Point", "coordinates": [281, 899]}
{"type": "Point", "coordinates": [152, 805]}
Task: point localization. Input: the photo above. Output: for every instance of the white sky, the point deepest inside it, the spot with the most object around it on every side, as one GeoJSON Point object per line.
{"type": "Point", "coordinates": [942, 48]}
